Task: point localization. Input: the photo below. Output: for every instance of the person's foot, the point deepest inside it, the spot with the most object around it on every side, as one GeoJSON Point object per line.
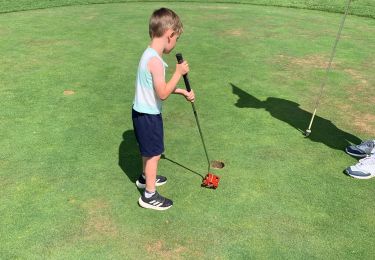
{"type": "Point", "coordinates": [364, 169]}
{"type": "Point", "coordinates": [156, 202]}
{"type": "Point", "coordinates": [141, 182]}
{"type": "Point", "coordinates": [364, 149]}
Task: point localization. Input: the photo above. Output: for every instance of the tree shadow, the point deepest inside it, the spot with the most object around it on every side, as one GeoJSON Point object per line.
{"type": "Point", "coordinates": [323, 130]}
{"type": "Point", "coordinates": [129, 158]}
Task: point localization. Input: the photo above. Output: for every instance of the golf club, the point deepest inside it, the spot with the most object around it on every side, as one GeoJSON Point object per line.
{"type": "Point", "coordinates": [211, 180]}
{"type": "Point", "coordinates": [308, 130]}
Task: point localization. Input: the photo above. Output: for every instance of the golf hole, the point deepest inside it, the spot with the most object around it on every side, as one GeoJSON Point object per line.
{"type": "Point", "coordinates": [217, 164]}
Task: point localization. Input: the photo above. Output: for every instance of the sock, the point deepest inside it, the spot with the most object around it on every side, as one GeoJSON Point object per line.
{"type": "Point", "coordinates": [149, 194]}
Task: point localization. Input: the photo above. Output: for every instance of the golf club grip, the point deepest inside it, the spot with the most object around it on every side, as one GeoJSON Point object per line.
{"type": "Point", "coordinates": [186, 79]}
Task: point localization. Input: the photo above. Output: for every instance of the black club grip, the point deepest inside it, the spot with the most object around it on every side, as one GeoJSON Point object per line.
{"type": "Point", "coordinates": [186, 79]}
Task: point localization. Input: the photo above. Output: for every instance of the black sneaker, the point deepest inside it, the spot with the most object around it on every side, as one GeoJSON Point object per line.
{"type": "Point", "coordinates": [141, 182]}
{"type": "Point", "coordinates": [156, 202]}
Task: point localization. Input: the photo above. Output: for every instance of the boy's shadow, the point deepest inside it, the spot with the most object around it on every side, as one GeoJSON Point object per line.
{"type": "Point", "coordinates": [323, 130]}
{"type": "Point", "coordinates": [129, 159]}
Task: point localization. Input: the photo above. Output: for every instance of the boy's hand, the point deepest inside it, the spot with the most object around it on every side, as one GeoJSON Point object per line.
{"type": "Point", "coordinates": [182, 68]}
{"type": "Point", "coordinates": [190, 96]}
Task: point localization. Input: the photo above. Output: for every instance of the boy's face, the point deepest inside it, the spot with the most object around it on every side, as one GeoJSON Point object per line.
{"type": "Point", "coordinates": [172, 38]}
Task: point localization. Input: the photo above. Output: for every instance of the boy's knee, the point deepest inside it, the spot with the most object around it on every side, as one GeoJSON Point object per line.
{"type": "Point", "coordinates": [153, 158]}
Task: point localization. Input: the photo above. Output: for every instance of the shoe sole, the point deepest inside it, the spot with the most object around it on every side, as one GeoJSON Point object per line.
{"type": "Point", "coordinates": [142, 186]}
{"type": "Point", "coordinates": [148, 206]}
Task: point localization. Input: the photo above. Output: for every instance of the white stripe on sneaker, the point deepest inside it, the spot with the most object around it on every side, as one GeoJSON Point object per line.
{"type": "Point", "coordinates": [150, 206]}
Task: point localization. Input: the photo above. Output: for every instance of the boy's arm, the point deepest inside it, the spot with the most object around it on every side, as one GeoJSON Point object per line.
{"type": "Point", "coordinates": [190, 96]}
{"type": "Point", "coordinates": [164, 89]}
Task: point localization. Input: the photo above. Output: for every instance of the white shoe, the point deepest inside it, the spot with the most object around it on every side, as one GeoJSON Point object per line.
{"type": "Point", "coordinates": [364, 169]}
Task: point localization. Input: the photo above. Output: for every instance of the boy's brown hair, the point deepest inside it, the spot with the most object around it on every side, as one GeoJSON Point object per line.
{"type": "Point", "coordinates": [163, 19]}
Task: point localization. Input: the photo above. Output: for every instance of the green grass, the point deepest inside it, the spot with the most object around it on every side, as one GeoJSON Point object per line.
{"type": "Point", "coordinates": [68, 162]}
{"type": "Point", "coordinates": [358, 7]}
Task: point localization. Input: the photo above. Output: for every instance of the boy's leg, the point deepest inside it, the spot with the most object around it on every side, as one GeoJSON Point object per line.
{"type": "Point", "coordinates": [150, 168]}
{"type": "Point", "coordinates": [151, 199]}
{"type": "Point", "coordinates": [141, 182]}
{"type": "Point", "coordinates": [148, 131]}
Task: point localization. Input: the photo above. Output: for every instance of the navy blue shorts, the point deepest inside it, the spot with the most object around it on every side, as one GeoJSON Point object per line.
{"type": "Point", "coordinates": [148, 130]}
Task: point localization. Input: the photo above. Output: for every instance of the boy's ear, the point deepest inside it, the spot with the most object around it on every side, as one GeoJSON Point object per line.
{"type": "Point", "coordinates": [170, 33]}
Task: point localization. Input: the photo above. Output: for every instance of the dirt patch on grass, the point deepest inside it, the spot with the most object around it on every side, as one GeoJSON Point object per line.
{"type": "Point", "coordinates": [356, 75]}
{"type": "Point", "coordinates": [362, 82]}
{"type": "Point", "coordinates": [364, 123]}
{"type": "Point", "coordinates": [359, 91]}
{"type": "Point", "coordinates": [234, 32]}
{"type": "Point", "coordinates": [68, 92]}
{"type": "Point", "coordinates": [98, 223]}
{"type": "Point", "coordinates": [361, 122]}
{"type": "Point", "coordinates": [160, 250]}
{"type": "Point", "coordinates": [310, 61]}
{"type": "Point", "coordinates": [89, 16]}
{"type": "Point", "coordinates": [49, 42]}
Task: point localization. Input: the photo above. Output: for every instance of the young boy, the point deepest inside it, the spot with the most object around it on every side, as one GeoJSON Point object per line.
{"type": "Point", "coordinates": [165, 28]}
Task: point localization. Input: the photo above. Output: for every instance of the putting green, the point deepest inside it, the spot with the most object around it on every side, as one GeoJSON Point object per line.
{"type": "Point", "coordinates": [68, 158]}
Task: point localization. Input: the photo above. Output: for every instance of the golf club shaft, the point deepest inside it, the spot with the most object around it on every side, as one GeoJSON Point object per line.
{"type": "Point", "coordinates": [312, 119]}
{"type": "Point", "coordinates": [188, 88]}
{"type": "Point", "coordinates": [200, 133]}
{"type": "Point", "coordinates": [329, 63]}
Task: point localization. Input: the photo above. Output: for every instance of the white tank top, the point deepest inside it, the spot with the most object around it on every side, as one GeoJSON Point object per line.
{"type": "Point", "coordinates": [146, 100]}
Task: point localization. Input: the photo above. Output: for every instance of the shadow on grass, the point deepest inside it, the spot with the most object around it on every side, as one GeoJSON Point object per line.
{"type": "Point", "coordinates": [323, 130]}
{"type": "Point", "coordinates": [182, 166]}
{"type": "Point", "coordinates": [129, 158]}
